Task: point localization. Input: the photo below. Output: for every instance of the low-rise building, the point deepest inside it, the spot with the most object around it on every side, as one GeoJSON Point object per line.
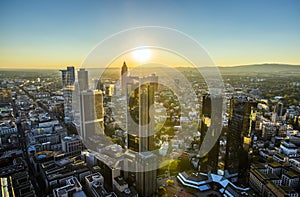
{"type": "Point", "coordinates": [289, 149]}
{"type": "Point", "coordinates": [55, 173]}
{"type": "Point", "coordinates": [274, 168]}
{"type": "Point", "coordinates": [22, 185]}
{"type": "Point", "coordinates": [72, 145]}
{"type": "Point", "coordinates": [295, 162]}
{"type": "Point", "coordinates": [95, 186]}
{"type": "Point", "coordinates": [204, 182]}
{"type": "Point", "coordinates": [273, 190]}
{"type": "Point", "coordinates": [258, 180]}
{"type": "Point", "coordinates": [72, 187]}
{"type": "Point", "coordinates": [280, 158]}
{"type": "Point", "coordinates": [120, 184]}
{"type": "Point", "coordinates": [290, 179]}
{"type": "Point", "coordinates": [280, 179]}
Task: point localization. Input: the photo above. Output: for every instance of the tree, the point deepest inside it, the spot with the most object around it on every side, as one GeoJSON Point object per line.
{"type": "Point", "coordinates": [184, 164]}
{"type": "Point", "coordinates": [173, 167]}
{"type": "Point", "coordinates": [170, 182]}
{"type": "Point", "coordinates": [162, 191]}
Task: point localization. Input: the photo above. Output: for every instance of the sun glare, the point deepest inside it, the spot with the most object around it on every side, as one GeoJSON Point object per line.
{"type": "Point", "coordinates": [141, 55]}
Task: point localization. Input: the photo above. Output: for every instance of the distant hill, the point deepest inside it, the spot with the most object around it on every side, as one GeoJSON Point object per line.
{"type": "Point", "coordinates": [262, 68]}
{"type": "Point", "coordinates": [242, 69]}
{"type": "Point", "coordinates": [28, 73]}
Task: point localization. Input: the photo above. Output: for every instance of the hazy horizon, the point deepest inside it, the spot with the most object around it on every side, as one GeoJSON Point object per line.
{"type": "Point", "coordinates": [118, 67]}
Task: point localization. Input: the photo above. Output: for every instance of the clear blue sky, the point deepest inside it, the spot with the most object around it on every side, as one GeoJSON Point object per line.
{"type": "Point", "coordinates": [56, 33]}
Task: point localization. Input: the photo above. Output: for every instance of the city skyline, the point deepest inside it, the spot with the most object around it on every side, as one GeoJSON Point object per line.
{"type": "Point", "coordinates": [130, 98]}
{"type": "Point", "coordinates": [60, 136]}
{"type": "Point", "coordinates": [52, 35]}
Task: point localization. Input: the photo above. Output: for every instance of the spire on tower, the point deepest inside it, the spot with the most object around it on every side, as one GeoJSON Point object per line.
{"type": "Point", "coordinates": [124, 71]}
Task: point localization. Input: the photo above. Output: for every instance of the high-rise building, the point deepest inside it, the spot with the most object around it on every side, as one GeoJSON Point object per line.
{"type": "Point", "coordinates": [98, 85]}
{"type": "Point", "coordinates": [140, 120]}
{"type": "Point", "coordinates": [83, 79]}
{"type": "Point", "coordinates": [109, 89]}
{"type": "Point", "coordinates": [68, 79]}
{"type": "Point", "coordinates": [278, 112]}
{"type": "Point", "coordinates": [208, 163]}
{"type": "Point", "coordinates": [71, 71]}
{"type": "Point", "coordinates": [146, 174]}
{"type": "Point", "coordinates": [91, 113]}
{"type": "Point", "coordinates": [280, 109]}
{"type": "Point", "coordinates": [124, 73]}
{"type": "Point", "coordinates": [64, 76]}
{"type": "Point", "coordinates": [241, 116]}
{"type": "Point", "coordinates": [140, 129]}
{"type": "Point", "coordinates": [68, 76]}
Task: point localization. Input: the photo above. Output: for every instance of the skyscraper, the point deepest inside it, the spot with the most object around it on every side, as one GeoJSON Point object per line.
{"type": "Point", "coordinates": [278, 111]}
{"type": "Point", "coordinates": [140, 121]}
{"type": "Point", "coordinates": [146, 174]}
{"type": "Point", "coordinates": [68, 79]}
{"type": "Point", "coordinates": [71, 72]}
{"type": "Point", "coordinates": [208, 163]}
{"type": "Point", "coordinates": [64, 76]}
{"type": "Point", "coordinates": [98, 85]}
{"type": "Point", "coordinates": [124, 73]}
{"type": "Point", "coordinates": [91, 113]}
{"type": "Point", "coordinates": [83, 79]}
{"type": "Point", "coordinates": [241, 116]}
{"type": "Point", "coordinates": [68, 76]}
{"type": "Point", "coordinates": [140, 129]}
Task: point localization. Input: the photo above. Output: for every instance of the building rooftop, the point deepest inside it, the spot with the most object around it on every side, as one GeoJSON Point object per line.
{"type": "Point", "coordinates": [12, 168]}
{"type": "Point", "coordinates": [275, 188]}
{"type": "Point", "coordinates": [291, 174]}
{"type": "Point", "coordinates": [271, 176]}
{"type": "Point", "coordinates": [146, 155]}
{"type": "Point", "coordinates": [71, 138]}
{"type": "Point", "coordinates": [112, 162]}
{"type": "Point", "coordinates": [120, 180]}
{"type": "Point", "coordinates": [201, 182]}
{"type": "Point", "coordinates": [18, 184]}
{"type": "Point", "coordinates": [44, 155]}
{"type": "Point", "coordinates": [113, 150]}
{"type": "Point", "coordinates": [289, 145]}
{"type": "Point", "coordinates": [296, 170]}
{"type": "Point", "coordinates": [53, 170]}
{"type": "Point", "coordinates": [288, 190]}
{"type": "Point", "coordinates": [275, 164]}
{"type": "Point", "coordinates": [101, 191]}
{"type": "Point", "coordinates": [281, 156]}
{"type": "Point", "coordinates": [264, 176]}
{"type": "Point", "coordinates": [195, 176]}
{"type": "Point", "coordinates": [72, 188]}
{"type": "Point", "coordinates": [63, 162]}
{"type": "Point", "coordinates": [258, 166]}
{"type": "Point", "coordinates": [94, 177]}
{"type": "Point", "coordinates": [128, 192]}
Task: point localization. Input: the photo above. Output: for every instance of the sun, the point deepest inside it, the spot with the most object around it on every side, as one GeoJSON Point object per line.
{"type": "Point", "coordinates": [141, 55]}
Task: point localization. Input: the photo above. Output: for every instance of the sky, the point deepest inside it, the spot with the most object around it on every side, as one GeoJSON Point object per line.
{"type": "Point", "coordinates": [58, 33]}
